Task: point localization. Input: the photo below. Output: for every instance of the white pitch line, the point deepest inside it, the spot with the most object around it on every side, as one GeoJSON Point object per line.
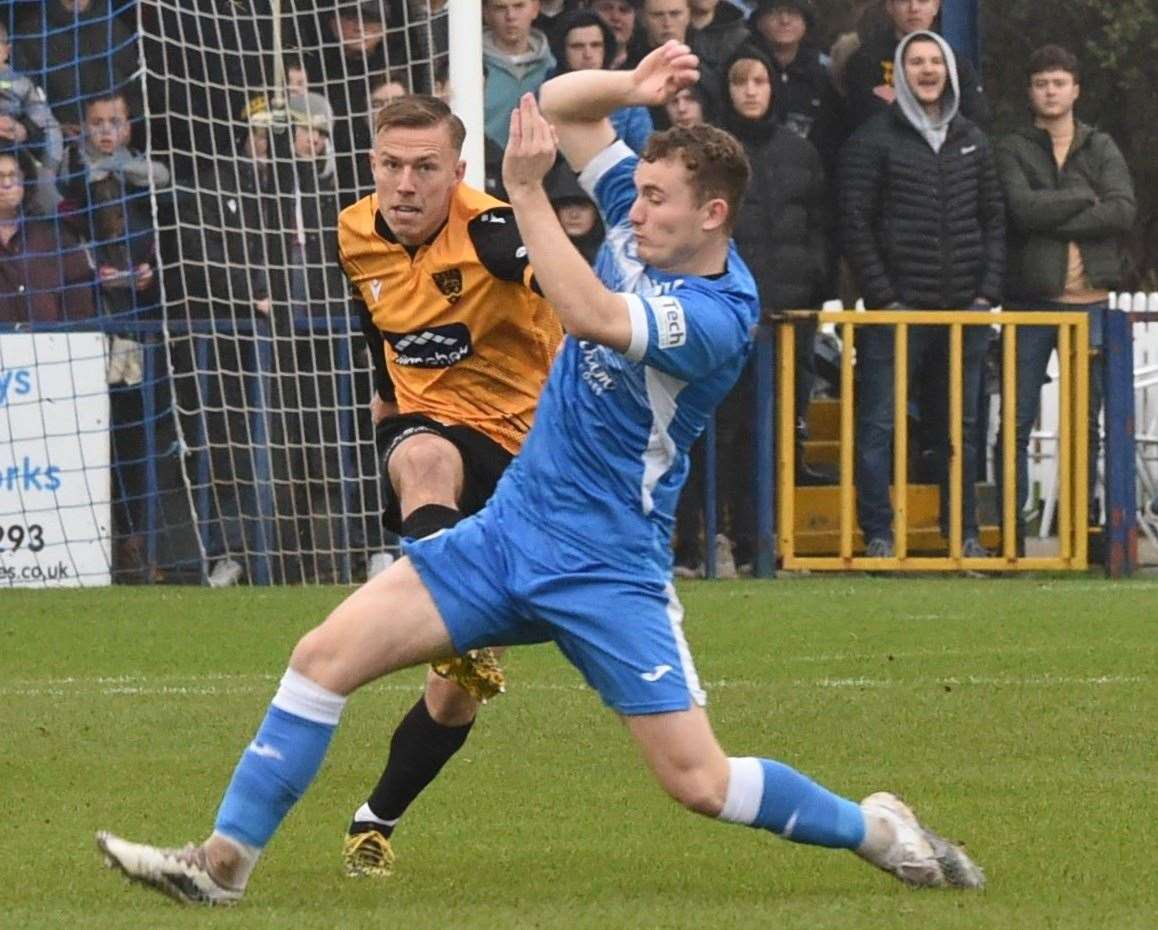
{"type": "Point", "coordinates": [1015, 681]}
{"type": "Point", "coordinates": [142, 687]}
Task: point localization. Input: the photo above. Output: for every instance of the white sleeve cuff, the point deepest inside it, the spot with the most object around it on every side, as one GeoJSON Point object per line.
{"type": "Point", "coordinates": [601, 164]}
{"type": "Point", "coordinates": [637, 311]}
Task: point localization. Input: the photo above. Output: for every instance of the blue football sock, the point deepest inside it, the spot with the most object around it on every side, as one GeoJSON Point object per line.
{"type": "Point", "coordinates": [278, 766]}
{"type": "Point", "coordinates": [773, 796]}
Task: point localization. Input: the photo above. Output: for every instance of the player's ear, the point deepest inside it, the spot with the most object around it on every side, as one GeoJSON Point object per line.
{"type": "Point", "coordinates": [715, 214]}
{"type": "Point", "coordinates": [460, 170]}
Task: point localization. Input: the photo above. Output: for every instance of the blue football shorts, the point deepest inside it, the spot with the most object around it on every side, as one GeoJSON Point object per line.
{"type": "Point", "coordinates": [498, 579]}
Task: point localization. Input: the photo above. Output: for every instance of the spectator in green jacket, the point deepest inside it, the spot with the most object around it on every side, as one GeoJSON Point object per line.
{"type": "Point", "coordinates": [1069, 202]}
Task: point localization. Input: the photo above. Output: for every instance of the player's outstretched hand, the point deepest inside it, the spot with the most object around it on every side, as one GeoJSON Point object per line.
{"type": "Point", "coordinates": [662, 72]}
{"type": "Point", "coordinates": [531, 146]}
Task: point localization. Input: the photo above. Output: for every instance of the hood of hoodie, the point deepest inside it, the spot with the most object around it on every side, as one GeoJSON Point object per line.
{"type": "Point", "coordinates": [749, 131]}
{"type": "Point", "coordinates": [934, 130]}
{"type": "Point", "coordinates": [517, 65]}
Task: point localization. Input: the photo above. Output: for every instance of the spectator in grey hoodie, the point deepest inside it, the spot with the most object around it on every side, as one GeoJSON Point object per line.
{"type": "Point", "coordinates": [516, 58]}
{"type": "Point", "coordinates": [924, 228]}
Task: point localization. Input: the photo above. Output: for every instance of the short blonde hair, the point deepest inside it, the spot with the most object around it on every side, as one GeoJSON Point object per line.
{"type": "Point", "coordinates": [418, 111]}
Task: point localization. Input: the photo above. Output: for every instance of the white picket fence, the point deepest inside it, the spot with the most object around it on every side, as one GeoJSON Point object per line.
{"type": "Point", "coordinates": [1044, 440]}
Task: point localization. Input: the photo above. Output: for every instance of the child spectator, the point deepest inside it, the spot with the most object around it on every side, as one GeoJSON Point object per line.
{"type": "Point", "coordinates": [106, 186]}
{"type": "Point", "coordinates": [106, 189]}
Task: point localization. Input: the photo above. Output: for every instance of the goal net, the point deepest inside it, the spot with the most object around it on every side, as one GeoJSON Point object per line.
{"type": "Point", "coordinates": [239, 446]}
{"type": "Point", "coordinates": [265, 117]}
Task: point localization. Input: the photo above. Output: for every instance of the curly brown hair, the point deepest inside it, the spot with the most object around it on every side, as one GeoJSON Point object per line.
{"type": "Point", "coordinates": [714, 158]}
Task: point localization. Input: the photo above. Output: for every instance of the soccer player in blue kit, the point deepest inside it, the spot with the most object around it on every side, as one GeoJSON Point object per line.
{"type": "Point", "coordinates": [574, 545]}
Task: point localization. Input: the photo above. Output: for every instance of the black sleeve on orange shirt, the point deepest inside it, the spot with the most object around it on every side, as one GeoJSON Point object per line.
{"type": "Point", "coordinates": [376, 344]}
{"type": "Point", "coordinates": [497, 242]}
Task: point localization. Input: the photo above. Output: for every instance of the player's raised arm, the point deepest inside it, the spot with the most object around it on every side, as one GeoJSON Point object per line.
{"type": "Point", "coordinates": [585, 307]}
{"type": "Point", "coordinates": [579, 103]}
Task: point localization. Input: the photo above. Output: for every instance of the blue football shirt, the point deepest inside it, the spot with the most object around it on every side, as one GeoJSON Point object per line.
{"type": "Point", "coordinates": [608, 453]}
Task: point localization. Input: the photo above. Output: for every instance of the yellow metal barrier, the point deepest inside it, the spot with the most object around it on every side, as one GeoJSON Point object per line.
{"type": "Point", "coordinates": [1073, 442]}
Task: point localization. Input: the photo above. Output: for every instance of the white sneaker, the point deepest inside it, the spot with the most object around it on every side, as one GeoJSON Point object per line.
{"type": "Point", "coordinates": [379, 562]}
{"type": "Point", "coordinates": [916, 855]}
{"type": "Point", "coordinates": [225, 573]}
{"type": "Point", "coordinates": [725, 563]}
{"type": "Point", "coordinates": [182, 874]}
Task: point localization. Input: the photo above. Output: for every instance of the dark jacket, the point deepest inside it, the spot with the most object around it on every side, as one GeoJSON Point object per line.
{"type": "Point", "coordinates": [186, 121]}
{"type": "Point", "coordinates": [231, 242]}
{"type": "Point", "coordinates": [45, 275]}
{"type": "Point", "coordinates": [1089, 201]}
{"type": "Point", "coordinates": [805, 101]}
{"type": "Point", "coordinates": [562, 187]}
{"type": "Point", "coordinates": [782, 223]}
{"type": "Point", "coordinates": [326, 289]}
{"type": "Point", "coordinates": [872, 65]}
{"type": "Point", "coordinates": [50, 40]}
{"type": "Point", "coordinates": [716, 41]}
{"type": "Point", "coordinates": [922, 228]}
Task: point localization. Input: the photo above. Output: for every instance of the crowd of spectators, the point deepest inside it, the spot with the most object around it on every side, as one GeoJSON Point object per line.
{"type": "Point", "coordinates": [873, 177]}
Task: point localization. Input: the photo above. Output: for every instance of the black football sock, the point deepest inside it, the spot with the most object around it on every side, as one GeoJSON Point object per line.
{"type": "Point", "coordinates": [419, 749]}
{"type": "Point", "coordinates": [420, 746]}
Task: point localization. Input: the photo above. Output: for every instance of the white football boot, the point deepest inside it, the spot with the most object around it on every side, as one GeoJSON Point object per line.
{"type": "Point", "coordinates": [182, 874]}
{"type": "Point", "coordinates": [915, 854]}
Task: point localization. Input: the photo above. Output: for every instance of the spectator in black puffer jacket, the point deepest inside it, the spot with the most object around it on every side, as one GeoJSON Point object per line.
{"type": "Point", "coordinates": [923, 227]}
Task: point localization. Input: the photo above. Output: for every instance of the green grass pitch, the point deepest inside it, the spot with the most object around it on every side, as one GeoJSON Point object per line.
{"type": "Point", "coordinates": [1018, 715]}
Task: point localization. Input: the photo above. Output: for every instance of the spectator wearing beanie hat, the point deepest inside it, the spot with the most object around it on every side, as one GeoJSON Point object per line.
{"type": "Point", "coordinates": [804, 100]}
{"type": "Point", "coordinates": [312, 119]}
